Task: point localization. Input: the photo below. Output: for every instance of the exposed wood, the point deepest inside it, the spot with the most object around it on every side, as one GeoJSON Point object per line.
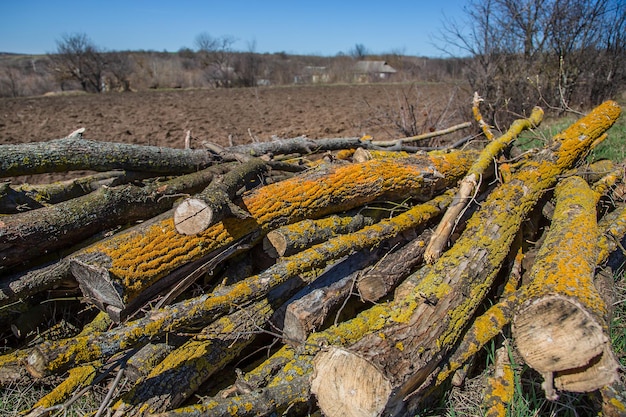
{"type": "Point", "coordinates": [70, 154]}
{"type": "Point", "coordinates": [479, 117]}
{"type": "Point", "coordinates": [30, 234]}
{"type": "Point", "coordinates": [403, 346]}
{"type": "Point", "coordinates": [561, 329]}
{"type": "Point", "coordinates": [194, 215]}
{"type": "Point", "coordinates": [470, 183]}
{"type": "Point", "coordinates": [290, 239]}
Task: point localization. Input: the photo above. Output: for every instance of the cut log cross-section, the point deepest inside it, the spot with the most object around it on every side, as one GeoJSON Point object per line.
{"type": "Point", "coordinates": [133, 261]}
{"type": "Point", "coordinates": [404, 348]}
{"type": "Point", "coordinates": [561, 329]}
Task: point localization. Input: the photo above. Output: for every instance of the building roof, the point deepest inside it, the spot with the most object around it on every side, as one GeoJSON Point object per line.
{"type": "Point", "coordinates": [368, 67]}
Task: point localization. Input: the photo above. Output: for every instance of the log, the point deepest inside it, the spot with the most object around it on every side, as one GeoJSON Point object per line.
{"type": "Point", "coordinates": [470, 183]}
{"type": "Point", "coordinates": [194, 215]}
{"type": "Point", "coordinates": [17, 198]}
{"type": "Point", "coordinates": [75, 153]}
{"type": "Point", "coordinates": [561, 329]}
{"type": "Point", "coordinates": [501, 385]}
{"type": "Point", "coordinates": [135, 260]}
{"type": "Point", "coordinates": [29, 235]}
{"type": "Point", "coordinates": [290, 239]}
{"type": "Point", "coordinates": [383, 277]}
{"type": "Point", "coordinates": [51, 357]}
{"type": "Point", "coordinates": [402, 347]}
{"type": "Point", "coordinates": [344, 187]}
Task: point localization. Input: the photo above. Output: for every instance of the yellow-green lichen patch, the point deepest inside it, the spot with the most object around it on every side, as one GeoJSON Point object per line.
{"type": "Point", "coordinates": [77, 378]}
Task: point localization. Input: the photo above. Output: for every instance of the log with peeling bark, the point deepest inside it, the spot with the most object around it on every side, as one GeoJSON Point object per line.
{"type": "Point", "coordinates": [131, 262]}
{"type": "Point", "coordinates": [561, 329]}
{"type": "Point", "coordinates": [396, 356]}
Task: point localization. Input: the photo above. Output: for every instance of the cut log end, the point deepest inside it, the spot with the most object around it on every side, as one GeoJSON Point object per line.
{"type": "Point", "coordinates": [193, 216]}
{"type": "Point", "coordinates": [349, 386]}
{"type": "Point", "coordinates": [275, 244]}
{"type": "Point", "coordinates": [549, 329]}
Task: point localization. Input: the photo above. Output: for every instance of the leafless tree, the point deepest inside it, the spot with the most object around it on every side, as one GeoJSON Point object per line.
{"type": "Point", "coordinates": [359, 51]}
{"type": "Point", "coordinates": [216, 55]}
{"type": "Point", "coordinates": [120, 67]}
{"type": "Point", "coordinates": [78, 58]}
{"type": "Point", "coordinates": [551, 52]}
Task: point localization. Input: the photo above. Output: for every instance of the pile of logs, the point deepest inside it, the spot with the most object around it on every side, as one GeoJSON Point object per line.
{"type": "Point", "coordinates": [350, 276]}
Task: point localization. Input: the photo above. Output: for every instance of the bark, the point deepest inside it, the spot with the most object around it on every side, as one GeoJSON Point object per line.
{"type": "Point", "coordinates": [182, 371]}
{"type": "Point", "coordinates": [194, 215]}
{"type": "Point", "coordinates": [17, 198]}
{"type": "Point", "coordinates": [70, 154]}
{"type": "Point", "coordinates": [277, 399]}
{"type": "Point", "coordinates": [402, 347]}
{"type": "Point", "coordinates": [293, 238]}
{"type": "Point", "coordinates": [137, 259]}
{"type": "Point", "coordinates": [500, 386]}
{"type": "Point", "coordinates": [470, 183]}
{"type": "Point", "coordinates": [25, 284]}
{"type": "Point", "coordinates": [381, 279]}
{"type": "Point", "coordinates": [561, 329]}
{"type": "Point", "coordinates": [429, 135]}
{"type": "Point", "coordinates": [57, 356]}
{"type": "Point", "coordinates": [29, 235]}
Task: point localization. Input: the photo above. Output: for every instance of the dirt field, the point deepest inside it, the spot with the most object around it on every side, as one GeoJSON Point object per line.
{"type": "Point", "coordinates": [162, 117]}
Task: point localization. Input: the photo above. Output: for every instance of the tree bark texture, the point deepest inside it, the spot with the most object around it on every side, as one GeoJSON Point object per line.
{"type": "Point", "coordinates": [562, 327]}
{"type": "Point", "coordinates": [31, 234]}
{"type": "Point", "coordinates": [57, 356]}
{"type": "Point", "coordinates": [70, 154]}
{"type": "Point", "coordinates": [404, 347]}
{"type": "Point", "coordinates": [470, 182]}
{"type": "Point", "coordinates": [134, 261]}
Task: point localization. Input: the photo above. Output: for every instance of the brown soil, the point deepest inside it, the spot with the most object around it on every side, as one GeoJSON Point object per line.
{"type": "Point", "coordinates": [163, 117]}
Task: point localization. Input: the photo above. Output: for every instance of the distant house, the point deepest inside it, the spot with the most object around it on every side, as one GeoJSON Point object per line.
{"type": "Point", "coordinates": [365, 71]}
{"type": "Point", "coordinates": [313, 75]}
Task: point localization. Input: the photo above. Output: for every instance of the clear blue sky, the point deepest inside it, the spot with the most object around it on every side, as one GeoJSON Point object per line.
{"type": "Point", "coordinates": [321, 27]}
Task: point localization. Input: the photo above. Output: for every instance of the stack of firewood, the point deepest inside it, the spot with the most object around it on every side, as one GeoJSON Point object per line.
{"type": "Point", "coordinates": [380, 268]}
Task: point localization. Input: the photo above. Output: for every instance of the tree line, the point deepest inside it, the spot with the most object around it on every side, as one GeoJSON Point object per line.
{"type": "Point", "coordinates": [78, 63]}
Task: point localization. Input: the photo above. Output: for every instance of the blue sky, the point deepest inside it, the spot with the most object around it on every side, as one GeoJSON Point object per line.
{"type": "Point", "coordinates": [321, 27]}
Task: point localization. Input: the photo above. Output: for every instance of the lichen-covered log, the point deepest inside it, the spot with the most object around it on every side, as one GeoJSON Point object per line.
{"type": "Point", "coordinates": [57, 356]}
{"type": "Point", "coordinates": [470, 183]}
{"type": "Point", "coordinates": [279, 399]}
{"type": "Point", "coordinates": [70, 154]}
{"type": "Point", "coordinates": [501, 385]}
{"type": "Point", "coordinates": [18, 198]}
{"type": "Point", "coordinates": [135, 261]}
{"type": "Point", "coordinates": [561, 329]}
{"type": "Point", "coordinates": [174, 379]}
{"type": "Point", "coordinates": [290, 239]}
{"type": "Point", "coordinates": [28, 235]}
{"type": "Point", "coordinates": [24, 284]}
{"type": "Point", "coordinates": [402, 347]}
{"type": "Point", "coordinates": [194, 215]}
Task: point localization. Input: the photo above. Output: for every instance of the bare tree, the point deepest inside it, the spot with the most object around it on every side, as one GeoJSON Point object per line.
{"type": "Point", "coordinates": [359, 51]}
{"type": "Point", "coordinates": [216, 55]}
{"type": "Point", "coordinates": [78, 58]}
{"type": "Point", "coordinates": [547, 52]}
{"type": "Point", "coordinates": [120, 67]}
